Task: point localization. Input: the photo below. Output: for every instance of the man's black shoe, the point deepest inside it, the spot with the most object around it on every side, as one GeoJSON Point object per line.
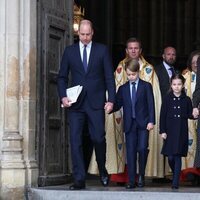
{"type": "Point", "coordinates": [77, 186]}
{"type": "Point", "coordinates": [141, 181]}
{"type": "Point", "coordinates": [130, 186]}
{"type": "Point", "coordinates": [104, 179]}
{"type": "Point", "coordinates": [174, 187]}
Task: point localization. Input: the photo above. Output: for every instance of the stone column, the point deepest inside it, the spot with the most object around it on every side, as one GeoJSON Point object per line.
{"type": "Point", "coordinates": [18, 96]}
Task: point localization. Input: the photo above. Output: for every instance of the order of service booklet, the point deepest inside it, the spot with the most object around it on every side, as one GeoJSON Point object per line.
{"type": "Point", "coordinates": [74, 92]}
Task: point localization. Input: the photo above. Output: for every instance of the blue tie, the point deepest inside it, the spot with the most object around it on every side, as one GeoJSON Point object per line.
{"type": "Point", "coordinates": [133, 99]}
{"type": "Point", "coordinates": [172, 70]}
{"type": "Point", "coordinates": [85, 58]}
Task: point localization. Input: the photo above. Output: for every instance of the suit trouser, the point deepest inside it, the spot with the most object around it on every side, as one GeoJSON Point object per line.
{"type": "Point", "coordinates": [175, 165]}
{"type": "Point", "coordinates": [96, 127]}
{"type": "Point", "coordinates": [136, 142]}
{"type": "Point", "coordinates": [87, 147]}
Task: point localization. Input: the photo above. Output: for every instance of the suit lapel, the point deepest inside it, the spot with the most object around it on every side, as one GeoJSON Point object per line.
{"type": "Point", "coordinates": [128, 93]}
{"type": "Point", "coordinates": [77, 55]}
{"type": "Point", "coordinates": [165, 73]}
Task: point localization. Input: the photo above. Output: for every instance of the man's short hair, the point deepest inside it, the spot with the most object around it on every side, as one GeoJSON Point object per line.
{"type": "Point", "coordinates": [133, 39]}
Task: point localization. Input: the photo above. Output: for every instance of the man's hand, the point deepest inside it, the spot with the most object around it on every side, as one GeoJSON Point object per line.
{"type": "Point", "coordinates": [66, 102]}
{"type": "Point", "coordinates": [108, 107]}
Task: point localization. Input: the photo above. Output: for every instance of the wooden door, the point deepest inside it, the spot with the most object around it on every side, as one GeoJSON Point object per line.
{"type": "Point", "coordinates": [54, 33]}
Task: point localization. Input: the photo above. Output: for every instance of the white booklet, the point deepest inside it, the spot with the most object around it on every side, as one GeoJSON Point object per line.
{"type": "Point", "coordinates": [74, 92]}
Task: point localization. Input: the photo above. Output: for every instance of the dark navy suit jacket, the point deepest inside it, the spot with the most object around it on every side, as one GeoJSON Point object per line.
{"type": "Point", "coordinates": [98, 78]}
{"type": "Point", "coordinates": [164, 79]}
{"type": "Point", "coordinates": [144, 106]}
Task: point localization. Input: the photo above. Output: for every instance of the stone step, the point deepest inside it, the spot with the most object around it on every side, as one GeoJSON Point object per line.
{"type": "Point", "coordinates": [114, 193]}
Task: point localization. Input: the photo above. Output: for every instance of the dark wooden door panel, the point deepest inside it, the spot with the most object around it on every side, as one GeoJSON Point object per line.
{"type": "Point", "coordinates": [54, 35]}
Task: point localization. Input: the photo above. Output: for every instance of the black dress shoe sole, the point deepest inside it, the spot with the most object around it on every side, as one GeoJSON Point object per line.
{"type": "Point", "coordinates": [104, 181]}
{"type": "Point", "coordinates": [140, 185]}
{"type": "Point", "coordinates": [105, 184]}
{"type": "Point", "coordinates": [76, 187]}
{"type": "Point", "coordinates": [128, 187]}
{"type": "Point", "coordinates": [174, 187]}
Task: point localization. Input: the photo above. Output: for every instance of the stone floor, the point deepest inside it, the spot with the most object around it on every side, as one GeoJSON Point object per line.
{"type": "Point", "coordinates": [94, 185]}
{"type": "Point", "coordinates": [95, 191]}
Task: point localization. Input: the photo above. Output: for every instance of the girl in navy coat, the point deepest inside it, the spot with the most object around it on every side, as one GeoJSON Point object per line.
{"type": "Point", "coordinates": [175, 111]}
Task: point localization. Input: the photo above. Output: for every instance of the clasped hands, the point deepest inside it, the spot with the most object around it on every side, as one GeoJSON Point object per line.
{"type": "Point", "coordinates": [66, 102]}
{"type": "Point", "coordinates": [108, 107]}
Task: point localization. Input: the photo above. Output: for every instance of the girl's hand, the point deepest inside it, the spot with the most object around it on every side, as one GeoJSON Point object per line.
{"type": "Point", "coordinates": [195, 112]}
{"type": "Point", "coordinates": [164, 136]}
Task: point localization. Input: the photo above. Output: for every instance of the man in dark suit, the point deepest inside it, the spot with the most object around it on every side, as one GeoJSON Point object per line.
{"type": "Point", "coordinates": [136, 98]}
{"type": "Point", "coordinates": [166, 69]}
{"type": "Point", "coordinates": [196, 112]}
{"type": "Point", "coordinates": [90, 66]}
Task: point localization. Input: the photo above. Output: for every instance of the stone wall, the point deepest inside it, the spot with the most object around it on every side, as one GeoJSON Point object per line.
{"type": "Point", "coordinates": [18, 32]}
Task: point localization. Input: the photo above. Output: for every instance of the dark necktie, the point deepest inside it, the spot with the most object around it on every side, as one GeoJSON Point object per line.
{"type": "Point", "coordinates": [85, 57]}
{"type": "Point", "coordinates": [172, 70]}
{"type": "Point", "coordinates": [133, 99]}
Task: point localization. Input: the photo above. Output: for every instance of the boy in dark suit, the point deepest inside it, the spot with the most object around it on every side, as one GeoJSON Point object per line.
{"type": "Point", "coordinates": [136, 98]}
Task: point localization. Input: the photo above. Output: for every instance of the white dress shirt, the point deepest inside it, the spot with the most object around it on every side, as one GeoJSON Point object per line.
{"type": "Point", "coordinates": [167, 67]}
{"type": "Point", "coordinates": [88, 49]}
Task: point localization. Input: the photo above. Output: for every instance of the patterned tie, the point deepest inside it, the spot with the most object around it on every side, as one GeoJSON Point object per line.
{"type": "Point", "coordinates": [85, 58]}
{"type": "Point", "coordinates": [133, 99]}
{"type": "Point", "coordinates": [172, 70]}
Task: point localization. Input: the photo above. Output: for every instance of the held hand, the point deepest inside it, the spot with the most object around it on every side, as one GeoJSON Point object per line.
{"type": "Point", "coordinates": [164, 136]}
{"type": "Point", "coordinates": [108, 107]}
{"type": "Point", "coordinates": [195, 112]}
{"type": "Point", "coordinates": [149, 126]}
{"type": "Point", "coordinates": [66, 102]}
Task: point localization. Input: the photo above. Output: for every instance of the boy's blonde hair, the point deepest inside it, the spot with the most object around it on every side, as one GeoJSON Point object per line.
{"type": "Point", "coordinates": [133, 65]}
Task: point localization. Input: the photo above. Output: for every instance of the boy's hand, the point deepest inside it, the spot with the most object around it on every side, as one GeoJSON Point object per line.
{"type": "Point", "coordinates": [150, 126]}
